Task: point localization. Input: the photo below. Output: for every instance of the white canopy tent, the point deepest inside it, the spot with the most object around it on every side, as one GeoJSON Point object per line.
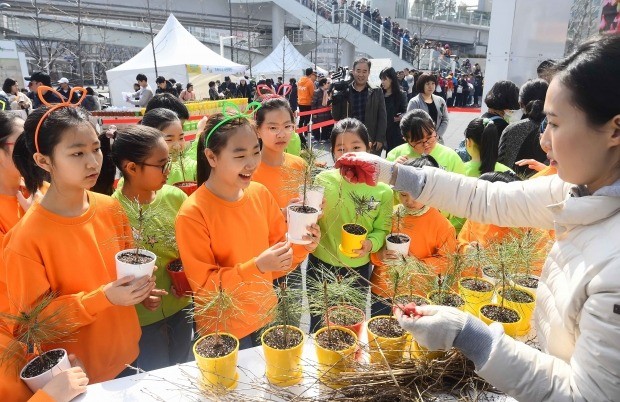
{"type": "Point", "coordinates": [179, 55]}
{"type": "Point", "coordinates": [284, 61]}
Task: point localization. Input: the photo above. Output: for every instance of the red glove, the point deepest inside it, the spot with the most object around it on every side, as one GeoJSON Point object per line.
{"type": "Point", "coordinates": [362, 167]}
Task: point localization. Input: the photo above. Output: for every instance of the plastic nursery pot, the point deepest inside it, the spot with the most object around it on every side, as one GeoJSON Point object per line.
{"type": "Point", "coordinates": [398, 242]}
{"type": "Point", "coordinates": [138, 270]}
{"type": "Point", "coordinates": [178, 277]}
{"type": "Point", "coordinates": [510, 328]}
{"type": "Point", "coordinates": [283, 366]}
{"type": "Point", "coordinates": [347, 311]}
{"type": "Point", "coordinates": [188, 187]}
{"type": "Point", "coordinates": [474, 299]}
{"type": "Point", "coordinates": [38, 381]}
{"type": "Point", "coordinates": [218, 372]}
{"type": "Point", "coordinates": [314, 195]}
{"type": "Point", "coordinates": [432, 297]}
{"type": "Point", "coordinates": [352, 237]}
{"type": "Point", "coordinates": [299, 218]}
{"type": "Point", "coordinates": [527, 282]}
{"type": "Point", "coordinates": [525, 310]}
{"type": "Point", "coordinates": [392, 347]}
{"type": "Point", "coordinates": [334, 362]}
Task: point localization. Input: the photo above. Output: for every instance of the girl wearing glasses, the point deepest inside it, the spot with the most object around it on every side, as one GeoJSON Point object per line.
{"type": "Point", "coordinates": [141, 154]}
{"type": "Point", "coordinates": [418, 130]}
{"type": "Point", "coordinates": [577, 317]}
{"type": "Point", "coordinates": [66, 243]}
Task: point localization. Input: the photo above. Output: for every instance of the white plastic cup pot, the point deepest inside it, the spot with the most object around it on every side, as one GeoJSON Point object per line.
{"type": "Point", "coordinates": [38, 382]}
{"type": "Point", "coordinates": [124, 269]}
{"type": "Point", "coordinates": [298, 223]}
{"type": "Point", "coordinates": [314, 195]}
{"type": "Point", "coordinates": [401, 248]}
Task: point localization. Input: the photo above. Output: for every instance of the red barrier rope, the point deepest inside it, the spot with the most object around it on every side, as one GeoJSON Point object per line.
{"type": "Point", "coordinates": [315, 111]}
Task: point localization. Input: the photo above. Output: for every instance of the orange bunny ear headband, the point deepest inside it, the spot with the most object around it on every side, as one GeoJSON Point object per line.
{"type": "Point", "coordinates": [55, 106]}
{"type": "Point", "coordinates": [266, 92]}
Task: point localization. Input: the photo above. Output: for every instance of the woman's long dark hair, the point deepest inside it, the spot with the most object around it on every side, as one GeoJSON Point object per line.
{"type": "Point", "coordinates": [397, 91]}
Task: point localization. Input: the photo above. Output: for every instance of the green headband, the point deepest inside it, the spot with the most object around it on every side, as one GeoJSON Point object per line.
{"type": "Point", "coordinates": [249, 112]}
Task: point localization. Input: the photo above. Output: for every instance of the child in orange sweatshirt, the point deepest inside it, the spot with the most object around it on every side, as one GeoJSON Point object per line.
{"type": "Point", "coordinates": [66, 244]}
{"type": "Point", "coordinates": [432, 238]}
{"type": "Point", "coordinates": [231, 232]}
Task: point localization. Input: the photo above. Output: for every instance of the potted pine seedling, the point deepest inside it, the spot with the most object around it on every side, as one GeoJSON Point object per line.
{"type": "Point", "coordinates": [310, 193]}
{"type": "Point", "coordinates": [187, 185]}
{"type": "Point", "coordinates": [476, 290]}
{"type": "Point", "coordinates": [341, 303]}
{"type": "Point", "coordinates": [502, 256]}
{"type": "Point", "coordinates": [217, 353]}
{"type": "Point", "coordinates": [354, 234]}
{"type": "Point", "coordinates": [137, 261]}
{"type": "Point", "coordinates": [441, 288]}
{"type": "Point", "coordinates": [406, 278]}
{"type": "Point", "coordinates": [28, 352]}
{"type": "Point", "coordinates": [335, 345]}
{"type": "Point", "coordinates": [306, 212]}
{"type": "Point", "coordinates": [396, 240]}
{"type": "Point", "coordinates": [282, 341]}
{"type": "Point", "coordinates": [531, 252]}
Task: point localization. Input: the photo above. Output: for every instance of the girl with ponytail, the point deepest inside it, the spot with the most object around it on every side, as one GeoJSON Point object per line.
{"type": "Point", "coordinates": [481, 139]}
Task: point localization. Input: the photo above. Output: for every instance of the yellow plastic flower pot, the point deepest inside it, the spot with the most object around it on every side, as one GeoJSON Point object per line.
{"type": "Point", "coordinates": [392, 348]}
{"type": "Point", "coordinates": [350, 242]}
{"type": "Point", "coordinates": [510, 328]}
{"type": "Point", "coordinates": [525, 310]}
{"type": "Point", "coordinates": [334, 362]}
{"type": "Point", "coordinates": [218, 372]}
{"type": "Point", "coordinates": [475, 299]}
{"type": "Point", "coordinates": [283, 366]}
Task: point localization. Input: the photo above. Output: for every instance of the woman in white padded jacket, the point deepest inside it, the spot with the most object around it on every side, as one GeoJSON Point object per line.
{"type": "Point", "coordinates": [577, 314]}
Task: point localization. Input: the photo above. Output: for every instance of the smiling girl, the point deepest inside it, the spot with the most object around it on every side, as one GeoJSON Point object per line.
{"type": "Point", "coordinates": [231, 232]}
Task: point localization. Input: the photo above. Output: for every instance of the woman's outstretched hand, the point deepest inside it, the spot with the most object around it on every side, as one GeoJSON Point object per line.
{"type": "Point", "coordinates": [363, 167]}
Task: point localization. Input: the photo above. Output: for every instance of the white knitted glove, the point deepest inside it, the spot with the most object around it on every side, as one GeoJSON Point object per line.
{"type": "Point", "coordinates": [363, 167]}
{"type": "Point", "coordinates": [433, 327]}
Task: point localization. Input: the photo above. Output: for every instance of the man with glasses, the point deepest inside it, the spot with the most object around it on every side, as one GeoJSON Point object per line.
{"type": "Point", "coordinates": [365, 103]}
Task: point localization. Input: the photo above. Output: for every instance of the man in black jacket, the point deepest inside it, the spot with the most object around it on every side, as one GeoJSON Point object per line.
{"type": "Point", "coordinates": [365, 103]}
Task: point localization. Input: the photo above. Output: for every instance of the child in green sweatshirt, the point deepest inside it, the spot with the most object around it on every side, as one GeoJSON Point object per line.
{"type": "Point", "coordinates": [349, 135]}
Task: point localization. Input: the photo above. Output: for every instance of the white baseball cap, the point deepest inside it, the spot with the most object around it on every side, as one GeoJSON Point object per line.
{"type": "Point", "coordinates": [63, 80]}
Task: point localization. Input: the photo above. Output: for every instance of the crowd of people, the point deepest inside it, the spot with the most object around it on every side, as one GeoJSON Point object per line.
{"type": "Point", "coordinates": [57, 171]}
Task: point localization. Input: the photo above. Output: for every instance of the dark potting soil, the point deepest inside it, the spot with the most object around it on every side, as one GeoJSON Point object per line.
{"type": "Point", "coordinates": [477, 285]}
{"type": "Point", "coordinates": [135, 259]}
{"type": "Point", "coordinates": [490, 272]}
{"type": "Point", "coordinates": [304, 209]}
{"type": "Point", "coordinates": [354, 229]}
{"type": "Point", "coordinates": [43, 363]}
{"type": "Point", "coordinates": [176, 266]}
{"type": "Point", "coordinates": [500, 314]}
{"type": "Point", "coordinates": [447, 299]}
{"type": "Point", "coordinates": [280, 338]}
{"type": "Point", "coordinates": [527, 282]}
{"type": "Point", "coordinates": [216, 346]}
{"type": "Point", "coordinates": [386, 327]}
{"type": "Point", "coordinates": [345, 316]}
{"type": "Point", "coordinates": [406, 299]}
{"type": "Point", "coordinates": [398, 238]}
{"type": "Point", "coordinates": [516, 295]}
{"type": "Point", "coordinates": [335, 339]}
